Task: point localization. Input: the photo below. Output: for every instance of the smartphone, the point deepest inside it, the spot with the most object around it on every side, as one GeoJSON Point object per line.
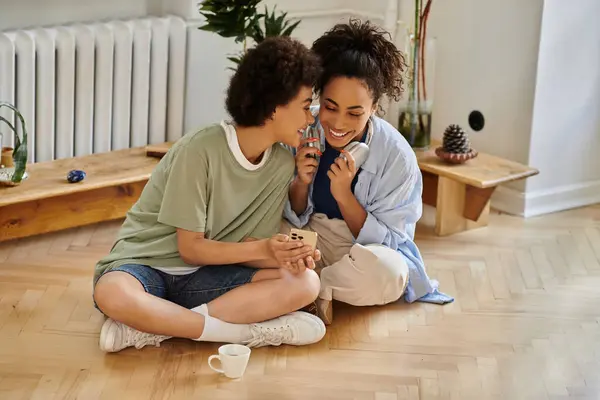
{"type": "Point", "coordinates": [307, 237]}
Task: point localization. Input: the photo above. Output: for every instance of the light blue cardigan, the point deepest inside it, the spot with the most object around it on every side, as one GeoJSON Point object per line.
{"type": "Point", "coordinates": [389, 188]}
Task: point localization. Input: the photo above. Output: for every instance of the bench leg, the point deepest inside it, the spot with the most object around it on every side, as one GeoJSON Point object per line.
{"type": "Point", "coordinates": [460, 207]}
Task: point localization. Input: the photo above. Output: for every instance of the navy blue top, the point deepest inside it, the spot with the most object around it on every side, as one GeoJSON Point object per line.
{"type": "Point", "coordinates": [322, 197]}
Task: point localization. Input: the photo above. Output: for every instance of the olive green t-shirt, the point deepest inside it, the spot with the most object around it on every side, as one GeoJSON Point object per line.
{"type": "Point", "coordinates": [202, 185]}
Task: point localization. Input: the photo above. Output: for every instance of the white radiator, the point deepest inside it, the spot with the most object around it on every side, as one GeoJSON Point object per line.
{"type": "Point", "coordinates": [91, 88]}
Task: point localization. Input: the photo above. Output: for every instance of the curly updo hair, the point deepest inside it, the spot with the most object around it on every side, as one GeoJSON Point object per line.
{"type": "Point", "coordinates": [270, 75]}
{"type": "Point", "coordinates": [363, 51]}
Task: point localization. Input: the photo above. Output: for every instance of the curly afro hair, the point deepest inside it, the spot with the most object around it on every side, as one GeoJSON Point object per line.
{"type": "Point", "coordinates": [361, 50]}
{"type": "Point", "coordinates": [270, 75]}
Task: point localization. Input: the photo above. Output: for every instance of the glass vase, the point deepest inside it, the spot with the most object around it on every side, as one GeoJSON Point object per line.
{"type": "Point", "coordinates": [415, 118]}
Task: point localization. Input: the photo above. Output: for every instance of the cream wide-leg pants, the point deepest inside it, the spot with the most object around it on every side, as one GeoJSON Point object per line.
{"type": "Point", "coordinates": [352, 273]}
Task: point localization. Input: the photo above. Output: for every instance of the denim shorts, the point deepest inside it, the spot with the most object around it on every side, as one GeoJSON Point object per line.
{"type": "Point", "coordinates": [190, 290]}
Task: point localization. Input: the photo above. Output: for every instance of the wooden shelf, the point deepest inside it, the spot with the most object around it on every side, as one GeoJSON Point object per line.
{"type": "Point", "coordinates": [47, 202]}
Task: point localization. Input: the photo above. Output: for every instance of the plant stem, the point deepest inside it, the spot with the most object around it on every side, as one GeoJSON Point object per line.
{"type": "Point", "coordinates": [423, 43]}
{"type": "Point", "coordinates": [415, 49]}
{"type": "Point", "coordinates": [414, 94]}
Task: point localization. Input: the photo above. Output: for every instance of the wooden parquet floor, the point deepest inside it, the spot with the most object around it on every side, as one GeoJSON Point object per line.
{"type": "Point", "coordinates": [525, 325]}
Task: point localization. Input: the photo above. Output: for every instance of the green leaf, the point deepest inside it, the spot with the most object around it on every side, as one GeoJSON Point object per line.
{"type": "Point", "coordinates": [257, 34]}
{"type": "Point", "coordinates": [210, 28]}
{"type": "Point", "coordinates": [236, 60]}
{"type": "Point", "coordinates": [240, 20]}
{"type": "Point", "coordinates": [229, 18]}
{"type": "Point", "coordinates": [10, 125]}
{"type": "Point", "coordinates": [275, 24]}
{"type": "Point", "coordinates": [252, 24]}
{"type": "Point", "coordinates": [290, 29]}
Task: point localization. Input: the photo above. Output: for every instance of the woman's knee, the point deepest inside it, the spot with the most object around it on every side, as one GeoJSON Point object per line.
{"type": "Point", "coordinates": [392, 269]}
{"type": "Point", "coordinates": [113, 292]}
{"type": "Point", "coordinates": [311, 284]}
{"type": "Point", "coordinates": [302, 288]}
{"type": "Point", "coordinates": [369, 275]}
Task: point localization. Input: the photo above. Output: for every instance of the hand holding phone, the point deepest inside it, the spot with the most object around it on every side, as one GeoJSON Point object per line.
{"type": "Point", "coordinates": [286, 252]}
{"type": "Point", "coordinates": [308, 238]}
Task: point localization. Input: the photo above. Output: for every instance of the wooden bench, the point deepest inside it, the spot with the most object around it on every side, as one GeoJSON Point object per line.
{"type": "Point", "coordinates": [461, 192]}
{"type": "Point", "coordinates": [47, 202]}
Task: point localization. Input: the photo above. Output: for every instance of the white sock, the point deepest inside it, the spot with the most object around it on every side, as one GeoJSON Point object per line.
{"type": "Point", "coordinates": [216, 330]}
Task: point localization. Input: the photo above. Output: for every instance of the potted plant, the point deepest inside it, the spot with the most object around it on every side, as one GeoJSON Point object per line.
{"type": "Point", "coordinates": [14, 160]}
{"type": "Point", "coordinates": [416, 113]}
{"type": "Point", "coordinates": [241, 20]}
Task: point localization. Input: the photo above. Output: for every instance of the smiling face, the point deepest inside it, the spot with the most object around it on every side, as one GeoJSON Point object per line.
{"type": "Point", "coordinates": [346, 105]}
{"type": "Point", "coordinates": [290, 121]}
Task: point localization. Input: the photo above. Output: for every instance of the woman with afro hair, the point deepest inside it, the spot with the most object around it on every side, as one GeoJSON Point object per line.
{"type": "Point", "coordinates": [365, 215]}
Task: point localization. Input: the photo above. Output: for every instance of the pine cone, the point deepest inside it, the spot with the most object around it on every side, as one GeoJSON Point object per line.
{"type": "Point", "coordinates": [456, 140]}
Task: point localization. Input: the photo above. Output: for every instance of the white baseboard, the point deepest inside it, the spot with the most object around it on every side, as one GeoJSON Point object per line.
{"type": "Point", "coordinates": [508, 200]}
{"type": "Point", "coordinates": [546, 201]}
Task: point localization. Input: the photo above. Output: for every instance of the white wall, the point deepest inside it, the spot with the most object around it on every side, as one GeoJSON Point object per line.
{"type": "Point", "coordinates": [486, 56]}
{"type": "Point", "coordinates": [533, 68]}
{"type": "Point", "coordinates": [27, 13]}
{"type": "Point", "coordinates": [565, 138]}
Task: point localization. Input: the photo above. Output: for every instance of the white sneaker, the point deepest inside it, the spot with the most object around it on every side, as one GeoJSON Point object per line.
{"type": "Point", "coordinates": [297, 328]}
{"type": "Point", "coordinates": [116, 336]}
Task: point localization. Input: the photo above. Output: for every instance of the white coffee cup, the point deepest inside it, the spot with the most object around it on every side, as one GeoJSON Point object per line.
{"type": "Point", "coordinates": [234, 359]}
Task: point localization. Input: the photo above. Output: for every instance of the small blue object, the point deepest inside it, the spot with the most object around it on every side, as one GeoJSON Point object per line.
{"type": "Point", "coordinates": [75, 175]}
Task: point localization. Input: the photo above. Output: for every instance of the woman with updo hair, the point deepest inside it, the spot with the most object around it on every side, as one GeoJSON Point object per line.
{"type": "Point", "coordinates": [365, 215]}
